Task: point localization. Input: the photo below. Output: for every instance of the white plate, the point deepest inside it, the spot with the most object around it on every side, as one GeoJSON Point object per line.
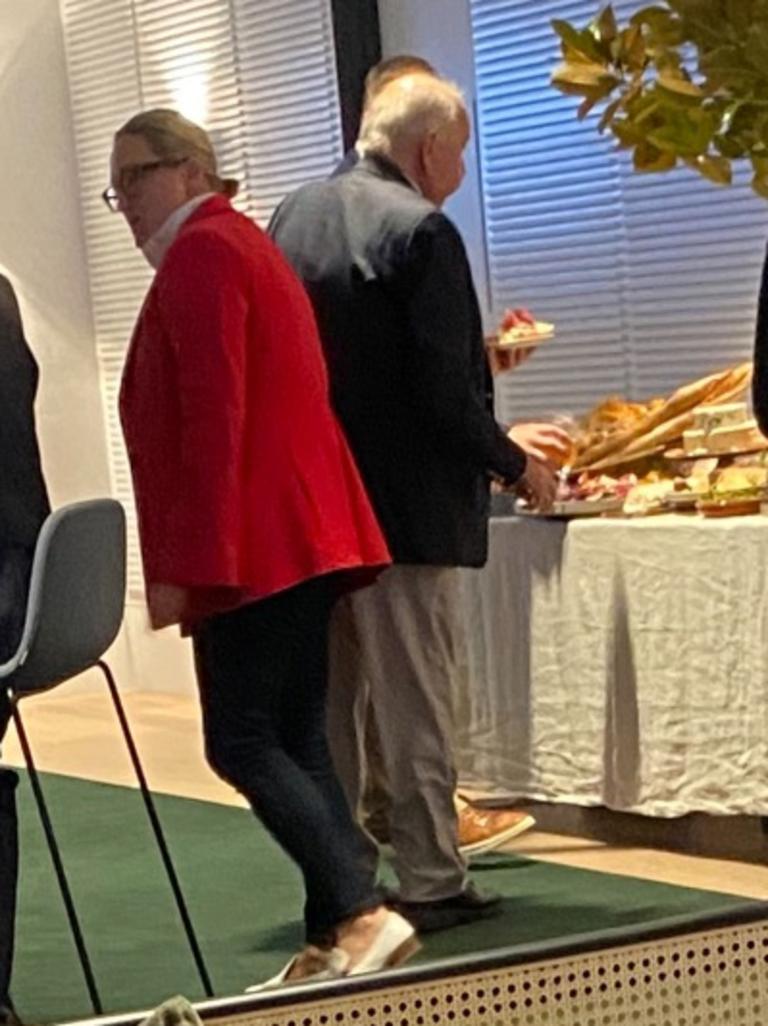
{"type": "Point", "coordinates": [682, 500]}
{"type": "Point", "coordinates": [576, 508]}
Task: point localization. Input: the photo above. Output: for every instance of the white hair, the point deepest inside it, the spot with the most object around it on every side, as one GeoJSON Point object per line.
{"type": "Point", "coordinates": [407, 110]}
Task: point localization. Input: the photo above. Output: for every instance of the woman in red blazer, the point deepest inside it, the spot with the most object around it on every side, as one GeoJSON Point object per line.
{"type": "Point", "coordinates": [251, 514]}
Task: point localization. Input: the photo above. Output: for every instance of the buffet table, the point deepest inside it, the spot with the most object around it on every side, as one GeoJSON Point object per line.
{"type": "Point", "coordinates": [621, 663]}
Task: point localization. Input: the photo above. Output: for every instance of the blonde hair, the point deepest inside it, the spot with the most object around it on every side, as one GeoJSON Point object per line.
{"type": "Point", "coordinates": [170, 135]}
{"type": "Point", "coordinates": [406, 110]}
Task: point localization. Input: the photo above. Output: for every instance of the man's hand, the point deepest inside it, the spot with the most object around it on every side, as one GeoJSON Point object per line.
{"type": "Point", "coordinates": [538, 485]}
{"type": "Point", "coordinates": [503, 360]}
{"type": "Point", "coordinates": [546, 442]}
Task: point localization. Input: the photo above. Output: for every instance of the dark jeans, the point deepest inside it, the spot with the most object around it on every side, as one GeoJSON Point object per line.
{"type": "Point", "coordinates": [263, 677]}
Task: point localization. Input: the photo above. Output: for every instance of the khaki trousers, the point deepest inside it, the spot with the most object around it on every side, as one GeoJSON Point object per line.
{"type": "Point", "coordinates": [393, 660]}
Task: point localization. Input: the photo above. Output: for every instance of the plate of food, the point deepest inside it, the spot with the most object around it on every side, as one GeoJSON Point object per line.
{"type": "Point", "coordinates": [519, 329]}
{"type": "Point", "coordinates": [729, 505]}
{"type": "Point", "coordinates": [736, 491]}
{"type": "Point", "coordinates": [688, 491]}
{"type": "Point", "coordinates": [567, 508]}
{"type": "Point", "coordinates": [648, 496]}
{"type": "Point", "coordinates": [586, 496]}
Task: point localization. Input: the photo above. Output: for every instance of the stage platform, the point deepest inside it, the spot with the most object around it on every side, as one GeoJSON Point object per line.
{"type": "Point", "coordinates": [704, 970]}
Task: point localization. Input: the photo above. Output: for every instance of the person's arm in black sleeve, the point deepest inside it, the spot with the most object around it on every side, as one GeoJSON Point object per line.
{"type": "Point", "coordinates": [442, 357]}
{"type": "Point", "coordinates": [23, 498]}
{"type": "Point", "coordinates": [760, 378]}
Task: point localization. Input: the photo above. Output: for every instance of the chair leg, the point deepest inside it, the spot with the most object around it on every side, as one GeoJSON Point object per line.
{"type": "Point", "coordinates": [158, 832]}
{"type": "Point", "coordinates": [58, 865]}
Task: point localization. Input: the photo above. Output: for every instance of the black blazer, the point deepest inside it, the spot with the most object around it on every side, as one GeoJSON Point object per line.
{"type": "Point", "coordinates": [760, 378]}
{"type": "Point", "coordinates": [389, 279]}
{"type": "Point", "coordinates": [23, 497]}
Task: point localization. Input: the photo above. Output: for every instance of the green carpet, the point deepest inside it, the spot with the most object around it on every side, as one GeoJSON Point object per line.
{"type": "Point", "coordinates": [245, 899]}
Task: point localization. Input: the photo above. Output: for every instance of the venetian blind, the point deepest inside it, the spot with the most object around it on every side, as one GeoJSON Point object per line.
{"type": "Point", "coordinates": [651, 280]}
{"type": "Point", "coordinates": [260, 75]}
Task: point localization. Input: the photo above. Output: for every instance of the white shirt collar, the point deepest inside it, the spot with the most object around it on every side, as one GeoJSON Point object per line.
{"type": "Point", "coordinates": [155, 248]}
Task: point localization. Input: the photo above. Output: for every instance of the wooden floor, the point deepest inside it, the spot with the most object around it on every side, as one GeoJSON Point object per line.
{"type": "Point", "coordinates": [78, 735]}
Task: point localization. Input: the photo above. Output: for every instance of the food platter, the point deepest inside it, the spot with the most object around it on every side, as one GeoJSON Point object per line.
{"type": "Point", "coordinates": [729, 507]}
{"type": "Point", "coordinates": [567, 508]}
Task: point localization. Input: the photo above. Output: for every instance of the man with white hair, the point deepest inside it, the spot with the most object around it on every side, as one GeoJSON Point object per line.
{"type": "Point", "coordinates": [389, 279]}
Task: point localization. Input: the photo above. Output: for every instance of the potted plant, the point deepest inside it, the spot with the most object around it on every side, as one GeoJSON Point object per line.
{"type": "Point", "coordinates": [684, 81]}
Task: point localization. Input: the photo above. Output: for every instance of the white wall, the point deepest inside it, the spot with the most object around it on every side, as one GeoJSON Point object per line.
{"type": "Point", "coordinates": [42, 246]}
{"type": "Point", "coordinates": [440, 30]}
{"type": "Point", "coordinates": [42, 251]}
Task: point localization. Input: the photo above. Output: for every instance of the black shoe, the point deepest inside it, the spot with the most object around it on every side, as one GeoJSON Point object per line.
{"type": "Point", "coordinates": [389, 895]}
{"type": "Point", "coordinates": [471, 904]}
{"type": "Point", "coordinates": [8, 1017]}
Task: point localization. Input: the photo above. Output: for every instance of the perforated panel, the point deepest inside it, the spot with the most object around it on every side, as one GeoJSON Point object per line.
{"type": "Point", "coordinates": [712, 979]}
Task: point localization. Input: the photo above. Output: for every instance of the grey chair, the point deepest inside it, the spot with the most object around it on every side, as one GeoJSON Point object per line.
{"type": "Point", "coordinates": [74, 611]}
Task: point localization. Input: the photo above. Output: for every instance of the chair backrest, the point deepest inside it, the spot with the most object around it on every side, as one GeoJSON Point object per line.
{"type": "Point", "coordinates": [76, 595]}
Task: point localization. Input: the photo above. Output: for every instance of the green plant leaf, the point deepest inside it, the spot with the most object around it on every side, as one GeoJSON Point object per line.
{"type": "Point", "coordinates": [668, 61]}
{"type": "Point", "coordinates": [683, 80]}
{"type": "Point", "coordinates": [648, 157]}
{"type": "Point", "coordinates": [604, 25]}
{"type": "Point", "coordinates": [627, 133]}
{"type": "Point", "coordinates": [642, 106]}
{"type": "Point", "coordinates": [756, 49]}
{"type": "Point", "coordinates": [590, 80]}
{"type": "Point", "coordinates": [662, 27]}
{"type": "Point", "coordinates": [679, 90]}
{"type": "Point", "coordinates": [650, 14]}
{"type": "Point", "coordinates": [581, 40]}
{"type": "Point", "coordinates": [609, 114]}
{"type": "Point", "coordinates": [572, 56]}
{"type": "Point", "coordinates": [716, 169]}
{"type": "Point", "coordinates": [730, 146]}
{"type": "Point", "coordinates": [760, 186]}
{"type": "Point", "coordinates": [706, 29]}
{"type": "Point", "coordinates": [738, 13]}
{"type": "Point", "coordinates": [629, 48]}
{"type": "Point", "coordinates": [688, 133]}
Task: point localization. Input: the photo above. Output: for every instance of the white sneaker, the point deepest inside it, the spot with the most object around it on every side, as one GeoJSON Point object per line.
{"type": "Point", "coordinates": [329, 966]}
{"type": "Point", "coordinates": [394, 944]}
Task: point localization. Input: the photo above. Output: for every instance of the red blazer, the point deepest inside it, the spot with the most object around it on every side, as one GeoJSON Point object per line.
{"type": "Point", "coordinates": [242, 477]}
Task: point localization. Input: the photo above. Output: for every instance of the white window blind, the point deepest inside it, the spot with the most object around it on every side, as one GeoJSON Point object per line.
{"type": "Point", "coordinates": [260, 75]}
{"type": "Point", "coordinates": [650, 280]}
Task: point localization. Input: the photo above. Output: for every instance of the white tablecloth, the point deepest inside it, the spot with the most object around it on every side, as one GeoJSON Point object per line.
{"type": "Point", "coordinates": [621, 663]}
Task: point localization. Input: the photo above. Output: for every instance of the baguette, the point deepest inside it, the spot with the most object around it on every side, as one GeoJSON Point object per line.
{"type": "Point", "coordinates": [670, 418]}
{"type": "Point", "coordinates": [648, 443]}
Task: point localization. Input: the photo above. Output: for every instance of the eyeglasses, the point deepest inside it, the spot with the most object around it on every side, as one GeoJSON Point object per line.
{"type": "Point", "coordinates": [131, 175]}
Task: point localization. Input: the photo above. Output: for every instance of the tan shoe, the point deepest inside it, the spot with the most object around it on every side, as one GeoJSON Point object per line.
{"type": "Point", "coordinates": [483, 830]}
